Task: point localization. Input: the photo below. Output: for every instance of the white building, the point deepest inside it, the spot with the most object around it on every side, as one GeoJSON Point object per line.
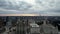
{"type": "Point", "coordinates": [34, 27]}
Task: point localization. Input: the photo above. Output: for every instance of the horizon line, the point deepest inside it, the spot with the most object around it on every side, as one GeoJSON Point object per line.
{"type": "Point", "coordinates": [25, 15]}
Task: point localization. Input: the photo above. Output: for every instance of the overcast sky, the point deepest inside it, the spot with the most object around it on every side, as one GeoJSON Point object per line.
{"type": "Point", "coordinates": [49, 7]}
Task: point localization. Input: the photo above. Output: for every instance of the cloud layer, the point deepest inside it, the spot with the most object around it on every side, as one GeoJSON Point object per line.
{"type": "Point", "coordinates": [48, 7]}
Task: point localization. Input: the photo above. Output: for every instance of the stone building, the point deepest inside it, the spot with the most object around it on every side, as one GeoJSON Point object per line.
{"type": "Point", "coordinates": [22, 27]}
{"type": "Point", "coordinates": [2, 28]}
{"type": "Point", "coordinates": [48, 28]}
{"type": "Point", "coordinates": [35, 29]}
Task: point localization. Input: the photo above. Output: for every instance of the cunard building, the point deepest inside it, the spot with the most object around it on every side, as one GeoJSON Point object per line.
{"type": "Point", "coordinates": [34, 29]}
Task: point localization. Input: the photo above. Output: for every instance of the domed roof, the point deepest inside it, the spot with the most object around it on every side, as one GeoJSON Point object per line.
{"type": "Point", "coordinates": [48, 28]}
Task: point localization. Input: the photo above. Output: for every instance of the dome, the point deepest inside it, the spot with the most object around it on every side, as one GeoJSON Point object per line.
{"type": "Point", "coordinates": [48, 29]}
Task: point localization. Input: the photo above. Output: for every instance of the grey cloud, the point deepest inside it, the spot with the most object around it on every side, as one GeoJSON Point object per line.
{"type": "Point", "coordinates": [24, 8]}
{"type": "Point", "coordinates": [22, 5]}
{"type": "Point", "coordinates": [49, 13]}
